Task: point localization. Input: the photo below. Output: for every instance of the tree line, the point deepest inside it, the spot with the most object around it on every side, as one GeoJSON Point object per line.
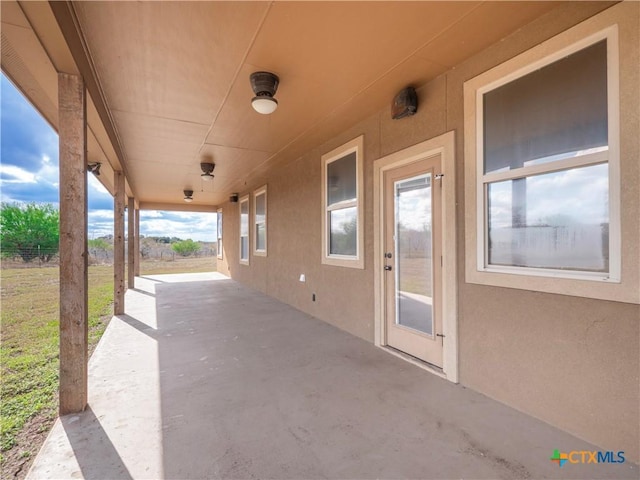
{"type": "Point", "coordinates": [32, 232]}
{"type": "Point", "coordinates": [29, 231]}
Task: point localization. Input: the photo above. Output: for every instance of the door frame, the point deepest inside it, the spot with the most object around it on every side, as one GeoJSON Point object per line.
{"type": "Point", "coordinates": [443, 145]}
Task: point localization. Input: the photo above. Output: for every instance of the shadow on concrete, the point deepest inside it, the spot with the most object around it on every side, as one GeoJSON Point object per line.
{"type": "Point", "coordinates": [151, 279]}
{"type": "Point", "coordinates": [138, 325]}
{"type": "Point", "coordinates": [143, 292]}
{"type": "Point", "coordinates": [95, 453]}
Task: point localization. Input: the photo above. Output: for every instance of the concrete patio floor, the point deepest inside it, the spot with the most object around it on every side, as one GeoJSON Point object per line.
{"type": "Point", "coordinates": [204, 378]}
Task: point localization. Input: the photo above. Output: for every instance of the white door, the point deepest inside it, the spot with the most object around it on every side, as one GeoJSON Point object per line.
{"type": "Point", "coordinates": [412, 259]}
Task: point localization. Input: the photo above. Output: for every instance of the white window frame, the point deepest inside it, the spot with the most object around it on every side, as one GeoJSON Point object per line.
{"type": "Point", "coordinates": [219, 233]}
{"type": "Point", "coordinates": [351, 261]}
{"type": "Point", "coordinates": [245, 261]}
{"type": "Point", "coordinates": [585, 284]}
{"type": "Point", "coordinates": [262, 252]}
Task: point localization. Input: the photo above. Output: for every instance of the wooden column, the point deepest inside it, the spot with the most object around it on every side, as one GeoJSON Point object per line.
{"type": "Point", "coordinates": [118, 245]}
{"type": "Point", "coordinates": [72, 114]}
{"type": "Point", "coordinates": [137, 245]}
{"type": "Point", "coordinates": [131, 244]}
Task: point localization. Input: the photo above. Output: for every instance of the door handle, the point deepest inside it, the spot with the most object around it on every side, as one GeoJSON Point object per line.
{"type": "Point", "coordinates": [387, 268]}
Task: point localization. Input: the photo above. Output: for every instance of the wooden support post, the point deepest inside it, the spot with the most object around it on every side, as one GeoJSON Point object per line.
{"type": "Point", "coordinates": [118, 245]}
{"type": "Point", "coordinates": [131, 244]}
{"type": "Point", "coordinates": [137, 244]}
{"type": "Point", "coordinates": [72, 115]}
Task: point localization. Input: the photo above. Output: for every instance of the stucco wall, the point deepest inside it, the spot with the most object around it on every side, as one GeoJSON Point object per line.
{"type": "Point", "coordinates": [344, 296]}
{"type": "Point", "coordinates": [570, 361]}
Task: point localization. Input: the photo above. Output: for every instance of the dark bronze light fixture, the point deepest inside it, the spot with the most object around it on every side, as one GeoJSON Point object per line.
{"type": "Point", "coordinates": [188, 196]}
{"type": "Point", "coordinates": [94, 168]}
{"type": "Point", "coordinates": [404, 104]}
{"type": "Point", "coordinates": [264, 85]}
{"type": "Point", "coordinates": [207, 168]}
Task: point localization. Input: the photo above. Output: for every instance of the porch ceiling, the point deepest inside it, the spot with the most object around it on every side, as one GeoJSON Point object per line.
{"type": "Point", "coordinates": [175, 76]}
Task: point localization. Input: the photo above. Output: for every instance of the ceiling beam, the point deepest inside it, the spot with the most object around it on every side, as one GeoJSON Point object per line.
{"type": "Point", "coordinates": [67, 20]}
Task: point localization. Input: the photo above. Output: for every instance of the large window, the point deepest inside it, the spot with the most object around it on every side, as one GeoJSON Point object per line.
{"type": "Point", "coordinates": [219, 233]}
{"type": "Point", "coordinates": [260, 221]}
{"type": "Point", "coordinates": [545, 174]}
{"type": "Point", "coordinates": [244, 230]}
{"type": "Point", "coordinates": [342, 228]}
{"type": "Point", "coordinates": [544, 136]}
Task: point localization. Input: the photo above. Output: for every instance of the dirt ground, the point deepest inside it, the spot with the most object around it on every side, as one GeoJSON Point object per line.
{"type": "Point", "coordinates": [31, 437]}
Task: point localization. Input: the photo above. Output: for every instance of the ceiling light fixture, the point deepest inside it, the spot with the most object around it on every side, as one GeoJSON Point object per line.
{"type": "Point", "coordinates": [94, 168]}
{"type": "Point", "coordinates": [207, 168]}
{"type": "Point", "coordinates": [188, 196]}
{"type": "Point", "coordinates": [264, 85]}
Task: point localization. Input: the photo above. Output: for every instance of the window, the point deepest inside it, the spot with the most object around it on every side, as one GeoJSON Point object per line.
{"type": "Point", "coordinates": [244, 230]}
{"type": "Point", "coordinates": [545, 167]}
{"type": "Point", "coordinates": [544, 184]}
{"type": "Point", "coordinates": [219, 233]}
{"type": "Point", "coordinates": [342, 218]}
{"type": "Point", "coordinates": [260, 221]}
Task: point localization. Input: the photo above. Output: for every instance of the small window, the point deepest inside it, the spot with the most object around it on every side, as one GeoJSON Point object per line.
{"type": "Point", "coordinates": [219, 233]}
{"type": "Point", "coordinates": [244, 230]}
{"type": "Point", "coordinates": [342, 218]}
{"type": "Point", "coordinates": [260, 222]}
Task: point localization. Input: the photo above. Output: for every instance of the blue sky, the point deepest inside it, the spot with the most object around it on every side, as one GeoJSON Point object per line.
{"type": "Point", "coordinates": [29, 173]}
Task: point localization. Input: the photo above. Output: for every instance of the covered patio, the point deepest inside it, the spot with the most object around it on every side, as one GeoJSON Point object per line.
{"type": "Point", "coordinates": [202, 376]}
{"type": "Point", "coordinates": [205, 378]}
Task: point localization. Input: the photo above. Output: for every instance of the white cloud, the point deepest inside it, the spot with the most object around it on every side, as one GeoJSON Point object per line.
{"type": "Point", "coordinates": [100, 223]}
{"type": "Point", "coordinates": [151, 214]}
{"type": "Point", "coordinates": [97, 187]}
{"type": "Point", "coordinates": [197, 226]}
{"type": "Point", "coordinates": [100, 215]}
{"type": "Point", "coordinates": [48, 173]}
{"type": "Point", "coordinates": [19, 175]}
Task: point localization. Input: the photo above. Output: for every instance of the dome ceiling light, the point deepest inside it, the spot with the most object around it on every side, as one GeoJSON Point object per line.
{"type": "Point", "coordinates": [188, 196]}
{"type": "Point", "coordinates": [264, 85]}
{"type": "Point", "coordinates": [207, 168]}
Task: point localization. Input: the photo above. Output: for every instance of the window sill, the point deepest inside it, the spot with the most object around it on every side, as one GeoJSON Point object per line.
{"type": "Point", "coordinates": [588, 287]}
{"type": "Point", "coordinates": [345, 261]}
{"type": "Point", "coordinates": [550, 273]}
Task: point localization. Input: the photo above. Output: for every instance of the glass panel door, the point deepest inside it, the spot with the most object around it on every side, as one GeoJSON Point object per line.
{"type": "Point", "coordinates": [413, 253]}
{"type": "Point", "coordinates": [412, 265]}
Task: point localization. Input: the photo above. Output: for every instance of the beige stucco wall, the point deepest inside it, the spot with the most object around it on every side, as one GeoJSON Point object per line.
{"type": "Point", "coordinates": [344, 296]}
{"type": "Point", "coordinates": [570, 361]}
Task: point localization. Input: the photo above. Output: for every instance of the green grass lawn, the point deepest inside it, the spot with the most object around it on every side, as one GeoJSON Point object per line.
{"type": "Point", "coordinates": [155, 266]}
{"type": "Point", "coordinates": [29, 350]}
